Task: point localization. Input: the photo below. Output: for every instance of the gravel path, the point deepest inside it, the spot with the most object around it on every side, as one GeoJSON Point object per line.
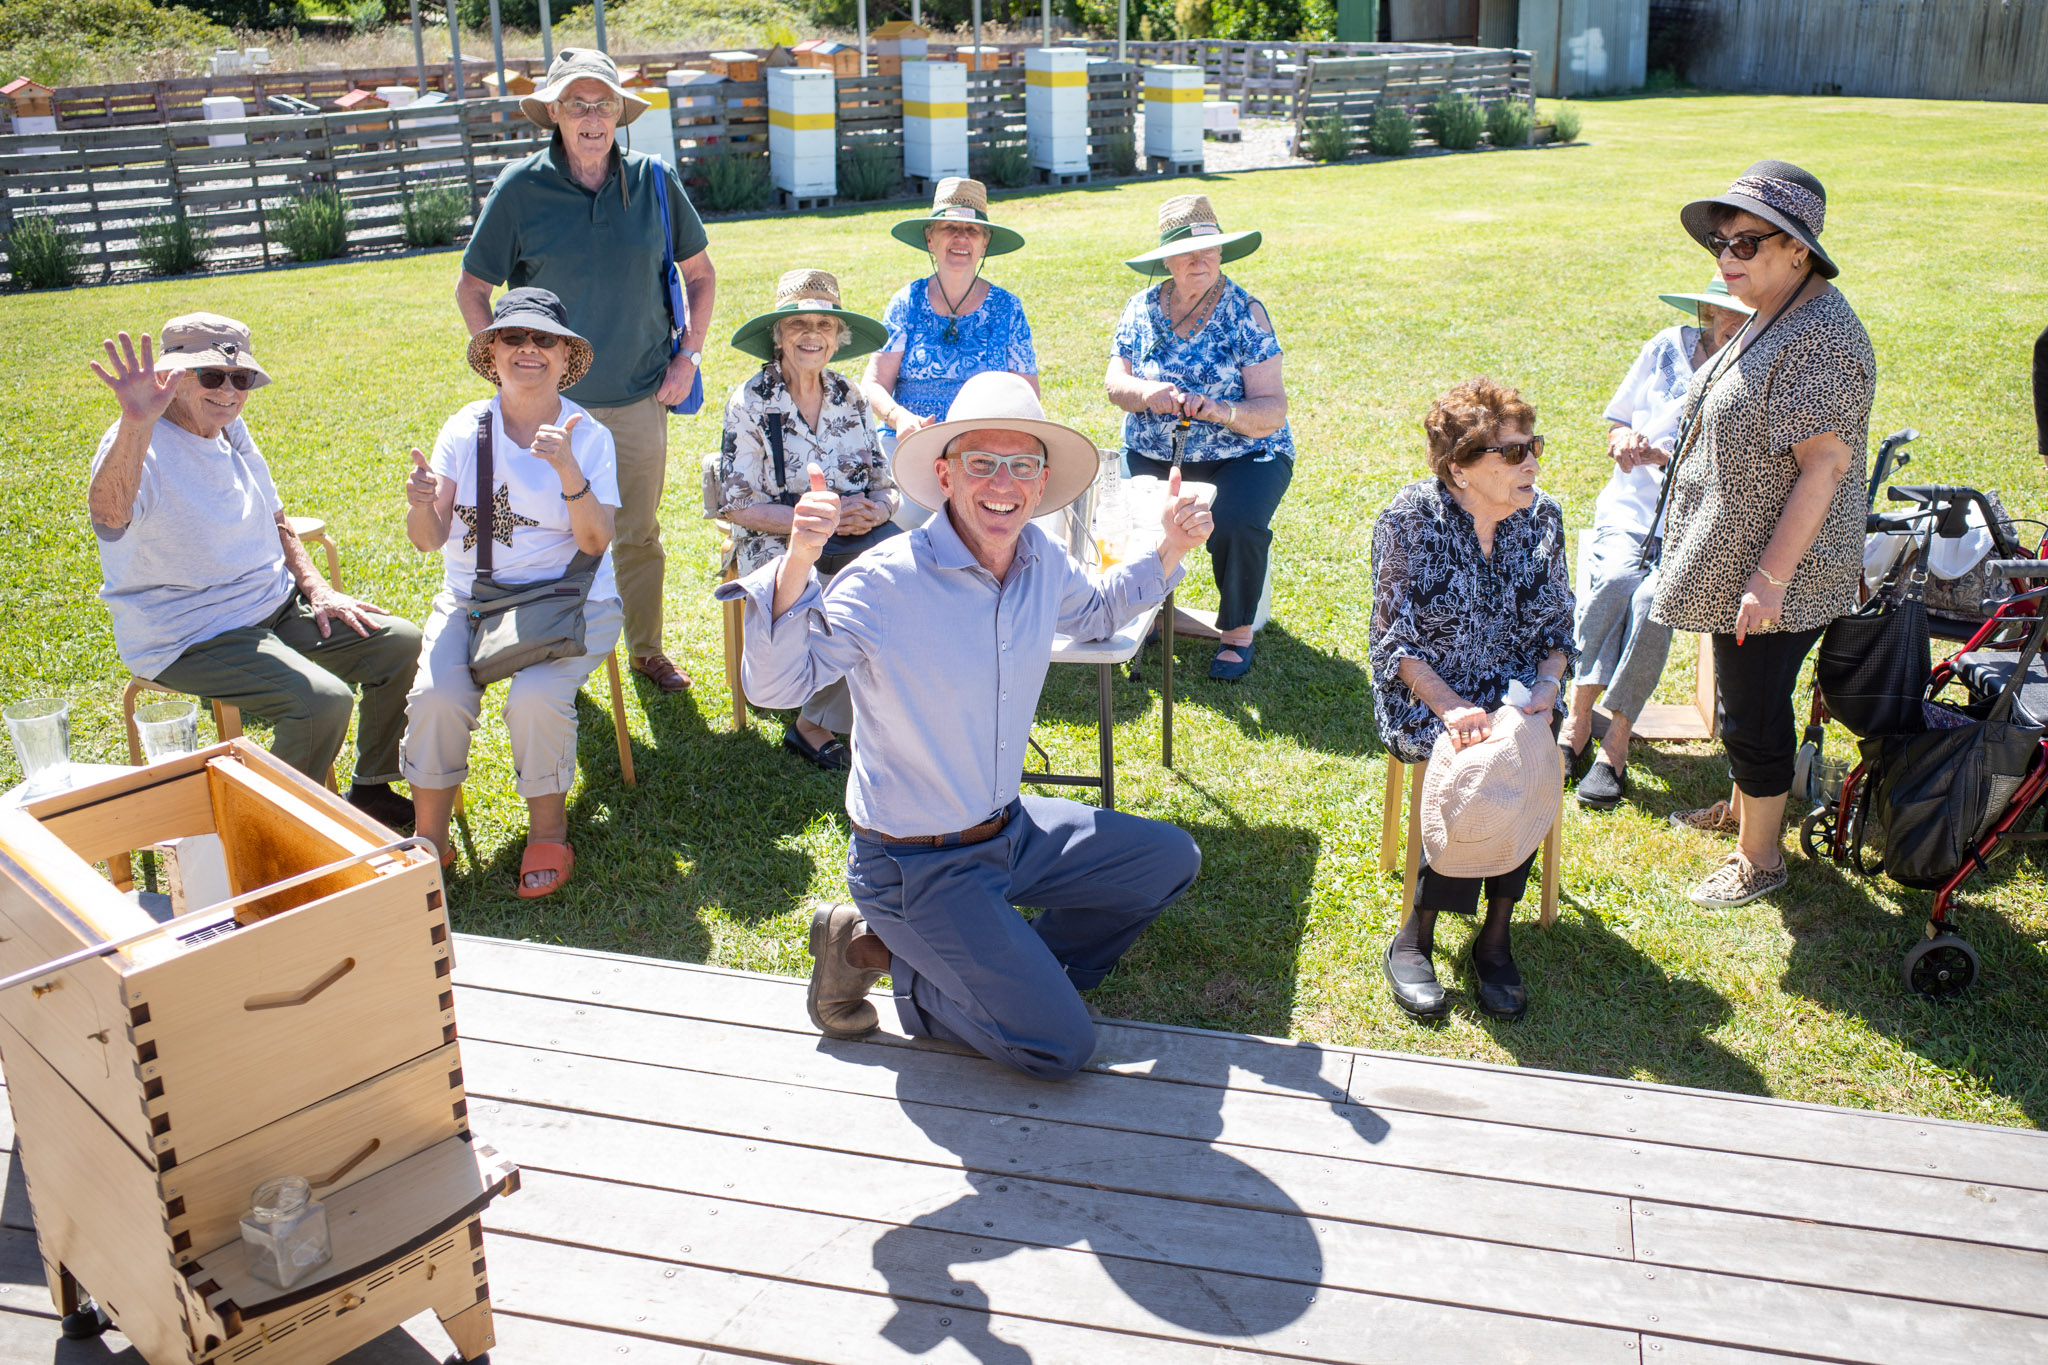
{"type": "Point", "coordinates": [1264, 145]}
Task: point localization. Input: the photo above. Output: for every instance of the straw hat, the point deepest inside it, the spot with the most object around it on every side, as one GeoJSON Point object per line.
{"type": "Point", "coordinates": [1781, 194]}
{"type": "Point", "coordinates": [1000, 401]}
{"type": "Point", "coordinates": [1715, 295]}
{"type": "Point", "coordinates": [808, 291]}
{"type": "Point", "coordinates": [574, 64]}
{"type": "Point", "coordinates": [532, 310]}
{"type": "Point", "coordinates": [1187, 222]}
{"type": "Point", "coordinates": [1486, 808]}
{"type": "Point", "coordinates": [959, 200]}
{"type": "Point", "coordinates": [207, 341]}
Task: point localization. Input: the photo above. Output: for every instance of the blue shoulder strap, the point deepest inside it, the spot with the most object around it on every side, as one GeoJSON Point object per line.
{"type": "Point", "coordinates": [672, 289]}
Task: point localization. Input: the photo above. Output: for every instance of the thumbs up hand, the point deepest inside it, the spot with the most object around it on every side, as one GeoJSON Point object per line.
{"type": "Point", "coordinates": [420, 483]}
{"type": "Point", "coordinates": [552, 443]}
{"type": "Point", "coordinates": [815, 519]}
{"type": "Point", "coordinates": [1186, 521]}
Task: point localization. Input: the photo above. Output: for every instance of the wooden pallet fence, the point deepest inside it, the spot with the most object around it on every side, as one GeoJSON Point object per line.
{"type": "Point", "coordinates": [1112, 112]}
{"type": "Point", "coordinates": [871, 113]}
{"type": "Point", "coordinates": [735, 123]}
{"type": "Point", "coordinates": [1353, 87]}
{"type": "Point", "coordinates": [995, 113]}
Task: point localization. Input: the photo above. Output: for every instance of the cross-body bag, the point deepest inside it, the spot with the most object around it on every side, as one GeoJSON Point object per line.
{"type": "Point", "coordinates": [840, 550]}
{"type": "Point", "coordinates": [511, 627]}
{"type": "Point", "coordinates": [672, 294]}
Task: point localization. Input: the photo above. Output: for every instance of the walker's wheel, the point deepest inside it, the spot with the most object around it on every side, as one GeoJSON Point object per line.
{"type": "Point", "coordinates": [1817, 835]}
{"type": "Point", "coordinates": [457, 1359]}
{"type": "Point", "coordinates": [84, 1325]}
{"type": "Point", "coordinates": [1941, 968]}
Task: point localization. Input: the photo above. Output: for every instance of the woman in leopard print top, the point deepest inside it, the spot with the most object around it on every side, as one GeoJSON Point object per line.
{"type": "Point", "coordinates": [1765, 539]}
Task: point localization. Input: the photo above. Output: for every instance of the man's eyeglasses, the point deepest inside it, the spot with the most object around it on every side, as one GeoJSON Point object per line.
{"type": "Point", "coordinates": [982, 465]}
{"type": "Point", "coordinates": [547, 341]}
{"type": "Point", "coordinates": [604, 108]}
{"type": "Point", "coordinates": [1743, 244]}
{"type": "Point", "coordinates": [213, 379]}
{"type": "Point", "coordinates": [1516, 452]}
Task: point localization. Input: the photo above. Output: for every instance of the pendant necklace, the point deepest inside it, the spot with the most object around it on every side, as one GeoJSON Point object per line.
{"type": "Point", "coordinates": [952, 332]}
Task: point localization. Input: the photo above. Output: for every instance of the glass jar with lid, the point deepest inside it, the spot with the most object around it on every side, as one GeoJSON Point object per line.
{"type": "Point", "coordinates": [285, 1231]}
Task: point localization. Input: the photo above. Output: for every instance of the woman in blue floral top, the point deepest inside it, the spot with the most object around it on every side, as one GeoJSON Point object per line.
{"type": "Point", "coordinates": [1195, 360]}
{"type": "Point", "coordinates": [950, 326]}
{"type": "Point", "coordinates": [1470, 593]}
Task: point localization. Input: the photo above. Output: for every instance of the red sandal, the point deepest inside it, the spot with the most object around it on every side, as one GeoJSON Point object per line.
{"type": "Point", "coordinates": [545, 855]}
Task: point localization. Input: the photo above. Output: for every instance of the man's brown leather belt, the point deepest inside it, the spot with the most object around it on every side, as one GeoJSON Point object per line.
{"type": "Point", "coordinates": [975, 834]}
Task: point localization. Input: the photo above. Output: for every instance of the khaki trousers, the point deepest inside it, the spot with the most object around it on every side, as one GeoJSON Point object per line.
{"type": "Point", "coordinates": [640, 435]}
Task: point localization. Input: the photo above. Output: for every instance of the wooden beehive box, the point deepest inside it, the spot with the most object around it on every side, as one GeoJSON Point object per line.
{"type": "Point", "coordinates": [736, 66]}
{"type": "Point", "coordinates": [26, 97]}
{"type": "Point", "coordinates": [359, 99]}
{"type": "Point", "coordinates": [841, 59]}
{"type": "Point", "coordinates": [309, 1030]}
{"type": "Point", "coordinates": [896, 42]}
{"type": "Point", "coordinates": [516, 83]}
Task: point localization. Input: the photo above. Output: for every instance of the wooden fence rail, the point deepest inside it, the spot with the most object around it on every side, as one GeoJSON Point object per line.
{"type": "Point", "coordinates": [1352, 88]}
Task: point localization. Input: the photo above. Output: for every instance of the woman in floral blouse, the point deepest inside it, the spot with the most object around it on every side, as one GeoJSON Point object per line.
{"type": "Point", "coordinates": [1197, 368]}
{"type": "Point", "coordinates": [1471, 592]}
{"type": "Point", "coordinates": [793, 414]}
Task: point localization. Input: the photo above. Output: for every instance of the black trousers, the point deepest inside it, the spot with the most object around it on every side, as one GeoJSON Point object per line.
{"type": "Point", "coordinates": [1460, 895]}
{"type": "Point", "coordinates": [1759, 728]}
{"type": "Point", "coordinates": [1248, 491]}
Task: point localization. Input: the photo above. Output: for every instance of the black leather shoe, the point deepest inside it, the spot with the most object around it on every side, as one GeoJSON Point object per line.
{"type": "Point", "coordinates": [1602, 787]}
{"type": "Point", "coordinates": [1575, 760]}
{"type": "Point", "coordinates": [1501, 992]}
{"type": "Point", "coordinates": [1424, 997]}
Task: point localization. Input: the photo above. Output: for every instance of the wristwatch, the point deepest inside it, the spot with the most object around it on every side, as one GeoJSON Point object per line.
{"type": "Point", "coordinates": [694, 357]}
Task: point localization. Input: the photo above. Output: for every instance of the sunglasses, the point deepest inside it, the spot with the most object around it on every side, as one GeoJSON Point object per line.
{"type": "Point", "coordinates": [213, 379]}
{"type": "Point", "coordinates": [982, 465]}
{"type": "Point", "coordinates": [1743, 244]}
{"type": "Point", "coordinates": [607, 108]}
{"type": "Point", "coordinates": [547, 341]}
{"type": "Point", "coordinates": [1517, 452]}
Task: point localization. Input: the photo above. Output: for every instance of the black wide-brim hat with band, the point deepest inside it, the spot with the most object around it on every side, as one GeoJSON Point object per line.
{"type": "Point", "coordinates": [958, 199]}
{"type": "Point", "coordinates": [1781, 194]}
{"type": "Point", "coordinates": [530, 310]}
{"type": "Point", "coordinates": [813, 292]}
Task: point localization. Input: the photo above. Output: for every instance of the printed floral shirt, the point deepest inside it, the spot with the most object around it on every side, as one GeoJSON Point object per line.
{"type": "Point", "coordinates": [1211, 362]}
{"type": "Point", "coordinates": [844, 445]}
{"type": "Point", "coordinates": [994, 336]}
{"type": "Point", "coordinates": [1478, 621]}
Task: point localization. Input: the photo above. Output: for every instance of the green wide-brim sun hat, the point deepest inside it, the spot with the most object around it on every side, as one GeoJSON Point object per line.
{"type": "Point", "coordinates": [1715, 295]}
{"type": "Point", "coordinates": [756, 336]}
{"type": "Point", "coordinates": [1236, 246]}
{"type": "Point", "coordinates": [959, 199]}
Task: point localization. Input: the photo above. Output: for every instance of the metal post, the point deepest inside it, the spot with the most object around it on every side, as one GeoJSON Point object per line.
{"type": "Point", "coordinates": [419, 47]}
{"type": "Point", "coordinates": [455, 45]}
{"type": "Point", "coordinates": [977, 36]}
{"type": "Point", "coordinates": [917, 11]}
{"type": "Point", "coordinates": [861, 25]}
{"type": "Point", "coordinates": [547, 36]}
{"type": "Point", "coordinates": [1045, 23]}
{"type": "Point", "coordinates": [498, 44]}
{"type": "Point", "coordinates": [1123, 19]}
{"type": "Point", "coordinates": [600, 26]}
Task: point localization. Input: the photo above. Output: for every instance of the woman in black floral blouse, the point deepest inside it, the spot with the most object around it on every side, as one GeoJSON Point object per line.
{"type": "Point", "coordinates": [1470, 593]}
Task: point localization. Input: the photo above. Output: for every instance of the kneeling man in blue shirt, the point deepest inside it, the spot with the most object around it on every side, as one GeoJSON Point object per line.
{"type": "Point", "coordinates": [944, 636]}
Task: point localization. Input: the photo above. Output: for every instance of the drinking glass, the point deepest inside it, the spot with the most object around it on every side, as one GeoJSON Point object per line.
{"type": "Point", "coordinates": [285, 1232]}
{"type": "Point", "coordinates": [167, 728]}
{"type": "Point", "coordinates": [41, 730]}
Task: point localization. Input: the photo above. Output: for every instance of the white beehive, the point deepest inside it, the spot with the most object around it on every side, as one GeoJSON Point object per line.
{"type": "Point", "coordinates": [802, 133]}
{"type": "Point", "coordinates": [934, 119]}
{"type": "Point", "coordinates": [1056, 107]}
{"type": "Point", "coordinates": [1173, 113]}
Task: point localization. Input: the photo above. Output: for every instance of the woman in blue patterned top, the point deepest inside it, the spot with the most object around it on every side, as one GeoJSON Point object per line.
{"type": "Point", "coordinates": [1196, 363]}
{"type": "Point", "coordinates": [950, 326]}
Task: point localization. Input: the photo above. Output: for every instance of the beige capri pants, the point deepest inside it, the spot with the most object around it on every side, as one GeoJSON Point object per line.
{"type": "Point", "coordinates": [443, 708]}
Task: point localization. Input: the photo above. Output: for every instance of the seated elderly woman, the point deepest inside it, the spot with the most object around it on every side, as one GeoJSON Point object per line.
{"type": "Point", "coordinates": [949, 326]}
{"type": "Point", "coordinates": [1621, 650]}
{"type": "Point", "coordinates": [1197, 368]}
{"type": "Point", "coordinates": [543, 512]}
{"type": "Point", "coordinates": [1470, 595]}
{"type": "Point", "coordinates": [796, 413]}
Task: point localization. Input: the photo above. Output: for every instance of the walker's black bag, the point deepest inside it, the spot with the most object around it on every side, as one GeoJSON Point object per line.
{"type": "Point", "coordinates": [511, 627]}
{"type": "Point", "coordinates": [1873, 663]}
{"type": "Point", "coordinates": [1940, 792]}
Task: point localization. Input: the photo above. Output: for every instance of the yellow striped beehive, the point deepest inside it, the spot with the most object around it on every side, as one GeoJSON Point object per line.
{"type": "Point", "coordinates": [1173, 112]}
{"type": "Point", "coordinates": [802, 155]}
{"type": "Point", "coordinates": [934, 119]}
{"type": "Point", "coordinates": [1056, 107]}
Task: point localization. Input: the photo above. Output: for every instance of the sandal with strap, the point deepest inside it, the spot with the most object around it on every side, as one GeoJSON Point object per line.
{"type": "Point", "coordinates": [662, 672]}
{"type": "Point", "coordinates": [545, 855]}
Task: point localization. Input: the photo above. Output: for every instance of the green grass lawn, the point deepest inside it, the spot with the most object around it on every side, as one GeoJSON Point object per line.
{"type": "Point", "coordinates": [1388, 282]}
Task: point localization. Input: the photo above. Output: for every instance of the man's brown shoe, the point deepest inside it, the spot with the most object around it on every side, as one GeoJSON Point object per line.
{"type": "Point", "coordinates": [838, 998]}
{"type": "Point", "coordinates": [658, 669]}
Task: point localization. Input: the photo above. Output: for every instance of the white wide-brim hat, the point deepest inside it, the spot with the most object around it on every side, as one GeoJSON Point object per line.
{"type": "Point", "coordinates": [997, 400]}
{"type": "Point", "coordinates": [573, 64]}
{"type": "Point", "coordinates": [1486, 807]}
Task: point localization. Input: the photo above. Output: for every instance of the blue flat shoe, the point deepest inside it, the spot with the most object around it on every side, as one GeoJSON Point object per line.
{"type": "Point", "coordinates": [1227, 671]}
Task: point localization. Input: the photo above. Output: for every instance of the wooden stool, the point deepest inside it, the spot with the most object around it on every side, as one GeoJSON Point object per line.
{"type": "Point", "coordinates": [1391, 842]}
{"type": "Point", "coordinates": [313, 531]}
{"type": "Point", "coordinates": [735, 619]}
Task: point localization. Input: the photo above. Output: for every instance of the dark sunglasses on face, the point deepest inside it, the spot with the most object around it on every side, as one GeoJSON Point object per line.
{"type": "Point", "coordinates": [1743, 244]}
{"type": "Point", "coordinates": [213, 379]}
{"type": "Point", "coordinates": [547, 341]}
{"type": "Point", "coordinates": [1516, 453]}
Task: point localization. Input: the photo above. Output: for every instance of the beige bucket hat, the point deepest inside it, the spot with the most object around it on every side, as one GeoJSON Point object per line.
{"type": "Point", "coordinates": [1187, 222]}
{"type": "Point", "coordinates": [809, 291]}
{"type": "Point", "coordinates": [574, 64]}
{"type": "Point", "coordinates": [1486, 808]}
{"type": "Point", "coordinates": [998, 400]}
{"type": "Point", "coordinates": [207, 341]}
{"type": "Point", "coordinates": [959, 200]}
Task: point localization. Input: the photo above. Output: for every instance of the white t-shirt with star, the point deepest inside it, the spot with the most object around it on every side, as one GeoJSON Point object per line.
{"type": "Point", "coordinates": [532, 539]}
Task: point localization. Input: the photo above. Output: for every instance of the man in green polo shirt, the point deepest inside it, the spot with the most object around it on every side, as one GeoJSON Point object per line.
{"type": "Point", "coordinates": [581, 218]}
